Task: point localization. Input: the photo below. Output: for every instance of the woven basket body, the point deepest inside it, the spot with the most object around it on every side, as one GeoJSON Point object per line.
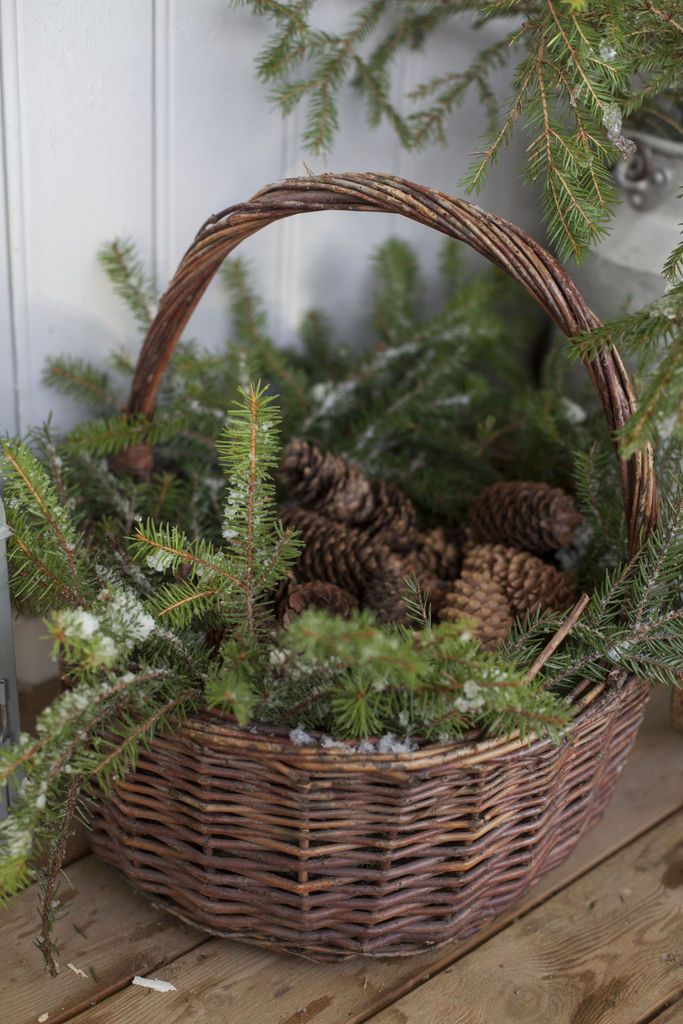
{"type": "Point", "coordinates": [329, 854]}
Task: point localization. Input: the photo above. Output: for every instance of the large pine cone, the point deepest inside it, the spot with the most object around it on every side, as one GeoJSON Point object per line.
{"type": "Point", "coordinates": [532, 516]}
{"type": "Point", "coordinates": [333, 487]}
{"type": "Point", "coordinates": [529, 584]}
{"type": "Point", "coordinates": [358, 563]}
{"type": "Point", "coordinates": [299, 597]}
{"type": "Point", "coordinates": [478, 597]}
{"type": "Point", "coordinates": [335, 553]}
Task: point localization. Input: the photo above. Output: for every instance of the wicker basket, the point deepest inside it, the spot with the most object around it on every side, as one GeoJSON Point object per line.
{"type": "Point", "coordinates": [329, 854]}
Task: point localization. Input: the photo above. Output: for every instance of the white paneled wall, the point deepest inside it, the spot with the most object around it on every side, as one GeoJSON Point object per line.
{"type": "Point", "coordinates": [140, 118]}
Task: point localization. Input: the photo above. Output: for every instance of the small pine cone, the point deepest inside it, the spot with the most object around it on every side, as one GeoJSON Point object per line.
{"type": "Point", "coordinates": [333, 552]}
{"type": "Point", "coordinates": [439, 552]}
{"type": "Point", "coordinates": [529, 584]}
{"type": "Point", "coordinates": [477, 596]}
{"type": "Point", "coordinates": [298, 597]}
{"type": "Point", "coordinates": [331, 486]}
{"type": "Point", "coordinates": [531, 516]}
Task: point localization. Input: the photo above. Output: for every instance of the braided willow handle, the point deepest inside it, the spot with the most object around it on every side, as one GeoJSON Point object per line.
{"type": "Point", "coordinates": [505, 245]}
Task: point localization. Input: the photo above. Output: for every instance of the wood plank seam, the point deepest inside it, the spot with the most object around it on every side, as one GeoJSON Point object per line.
{"type": "Point", "coordinates": [663, 1015]}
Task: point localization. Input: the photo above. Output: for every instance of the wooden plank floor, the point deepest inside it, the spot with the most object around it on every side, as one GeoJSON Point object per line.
{"type": "Point", "coordinates": [598, 941]}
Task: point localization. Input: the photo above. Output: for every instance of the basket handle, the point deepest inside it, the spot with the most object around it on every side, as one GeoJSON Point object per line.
{"type": "Point", "coordinates": [505, 245]}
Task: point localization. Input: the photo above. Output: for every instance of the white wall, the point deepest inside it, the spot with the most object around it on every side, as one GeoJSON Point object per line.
{"type": "Point", "coordinates": [140, 118]}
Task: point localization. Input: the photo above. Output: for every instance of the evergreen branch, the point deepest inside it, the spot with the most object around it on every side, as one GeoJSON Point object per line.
{"type": "Point", "coordinates": [264, 360]}
{"type": "Point", "coordinates": [168, 541]}
{"type": "Point", "coordinates": [104, 437]}
{"type": "Point", "coordinates": [43, 504]}
{"type": "Point", "coordinates": [565, 62]}
{"type": "Point", "coordinates": [126, 272]}
{"type": "Point", "coordinates": [559, 636]}
{"type": "Point", "coordinates": [48, 902]}
{"type": "Point", "coordinates": [664, 16]}
{"type": "Point", "coordinates": [274, 561]}
{"type": "Point", "coordinates": [78, 379]}
{"type": "Point", "coordinates": [68, 595]}
{"type": "Point", "coordinates": [182, 602]}
{"type": "Point", "coordinates": [144, 729]}
{"type": "Point", "coordinates": [33, 508]}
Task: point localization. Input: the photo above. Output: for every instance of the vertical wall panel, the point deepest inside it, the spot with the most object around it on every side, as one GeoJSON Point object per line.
{"type": "Point", "coordinates": [142, 117]}
{"type": "Point", "coordinates": [9, 420]}
{"type": "Point", "coordinates": [224, 141]}
{"type": "Point", "coordinates": [78, 135]}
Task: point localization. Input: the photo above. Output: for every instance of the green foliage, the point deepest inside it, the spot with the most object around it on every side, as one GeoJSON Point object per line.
{"type": "Point", "coordinates": [233, 582]}
{"type": "Point", "coordinates": [634, 622]}
{"type": "Point", "coordinates": [580, 70]}
{"type": "Point", "coordinates": [104, 437]}
{"type": "Point", "coordinates": [355, 680]}
{"type": "Point", "coordinates": [126, 271]}
{"type": "Point", "coordinates": [253, 346]}
{"type": "Point", "coordinates": [44, 544]}
{"type": "Point", "coordinates": [452, 384]}
{"type": "Point", "coordinates": [77, 379]}
{"type": "Point", "coordinates": [573, 82]}
{"type": "Point", "coordinates": [654, 332]}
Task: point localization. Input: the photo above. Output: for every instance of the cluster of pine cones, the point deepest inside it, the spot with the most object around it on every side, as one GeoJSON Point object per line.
{"type": "Point", "coordinates": [361, 540]}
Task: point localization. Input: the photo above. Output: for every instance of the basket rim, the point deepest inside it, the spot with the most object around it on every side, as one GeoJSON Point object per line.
{"type": "Point", "coordinates": [213, 728]}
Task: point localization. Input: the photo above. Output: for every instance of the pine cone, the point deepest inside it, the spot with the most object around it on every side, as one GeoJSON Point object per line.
{"type": "Point", "coordinates": [477, 596]}
{"type": "Point", "coordinates": [532, 516]}
{"type": "Point", "coordinates": [439, 552]}
{"type": "Point", "coordinates": [333, 487]}
{"type": "Point", "coordinates": [298, 597]}
{"type": "Point", "coordinates": [334, 553]}
{"type": "Point", "coordinates": [529, 584]}
{"type": "Point", "coordinates": [385, 595]}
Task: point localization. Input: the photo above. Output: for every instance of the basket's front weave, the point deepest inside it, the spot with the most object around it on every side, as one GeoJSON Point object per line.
{"type": "Point", "coordinates": [328, 854]}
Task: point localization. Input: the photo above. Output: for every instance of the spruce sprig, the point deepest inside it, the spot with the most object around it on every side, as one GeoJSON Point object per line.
{"type": "Point", "coordinates": [573, 83]}
{"type": "Point", "coordinates": [233, 581]}
{"type": "Point", "coordinates": [78, 379]}
{"type": "Point", "coordinates": [44, 544]}
{"type": "Point", "coordinates": [126, 271]}
{"type": "Point", "coordinates": [434, 682]}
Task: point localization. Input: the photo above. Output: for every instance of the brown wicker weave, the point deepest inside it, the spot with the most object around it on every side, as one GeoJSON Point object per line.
{"type": "Point", "coordinates": [330, 854]}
